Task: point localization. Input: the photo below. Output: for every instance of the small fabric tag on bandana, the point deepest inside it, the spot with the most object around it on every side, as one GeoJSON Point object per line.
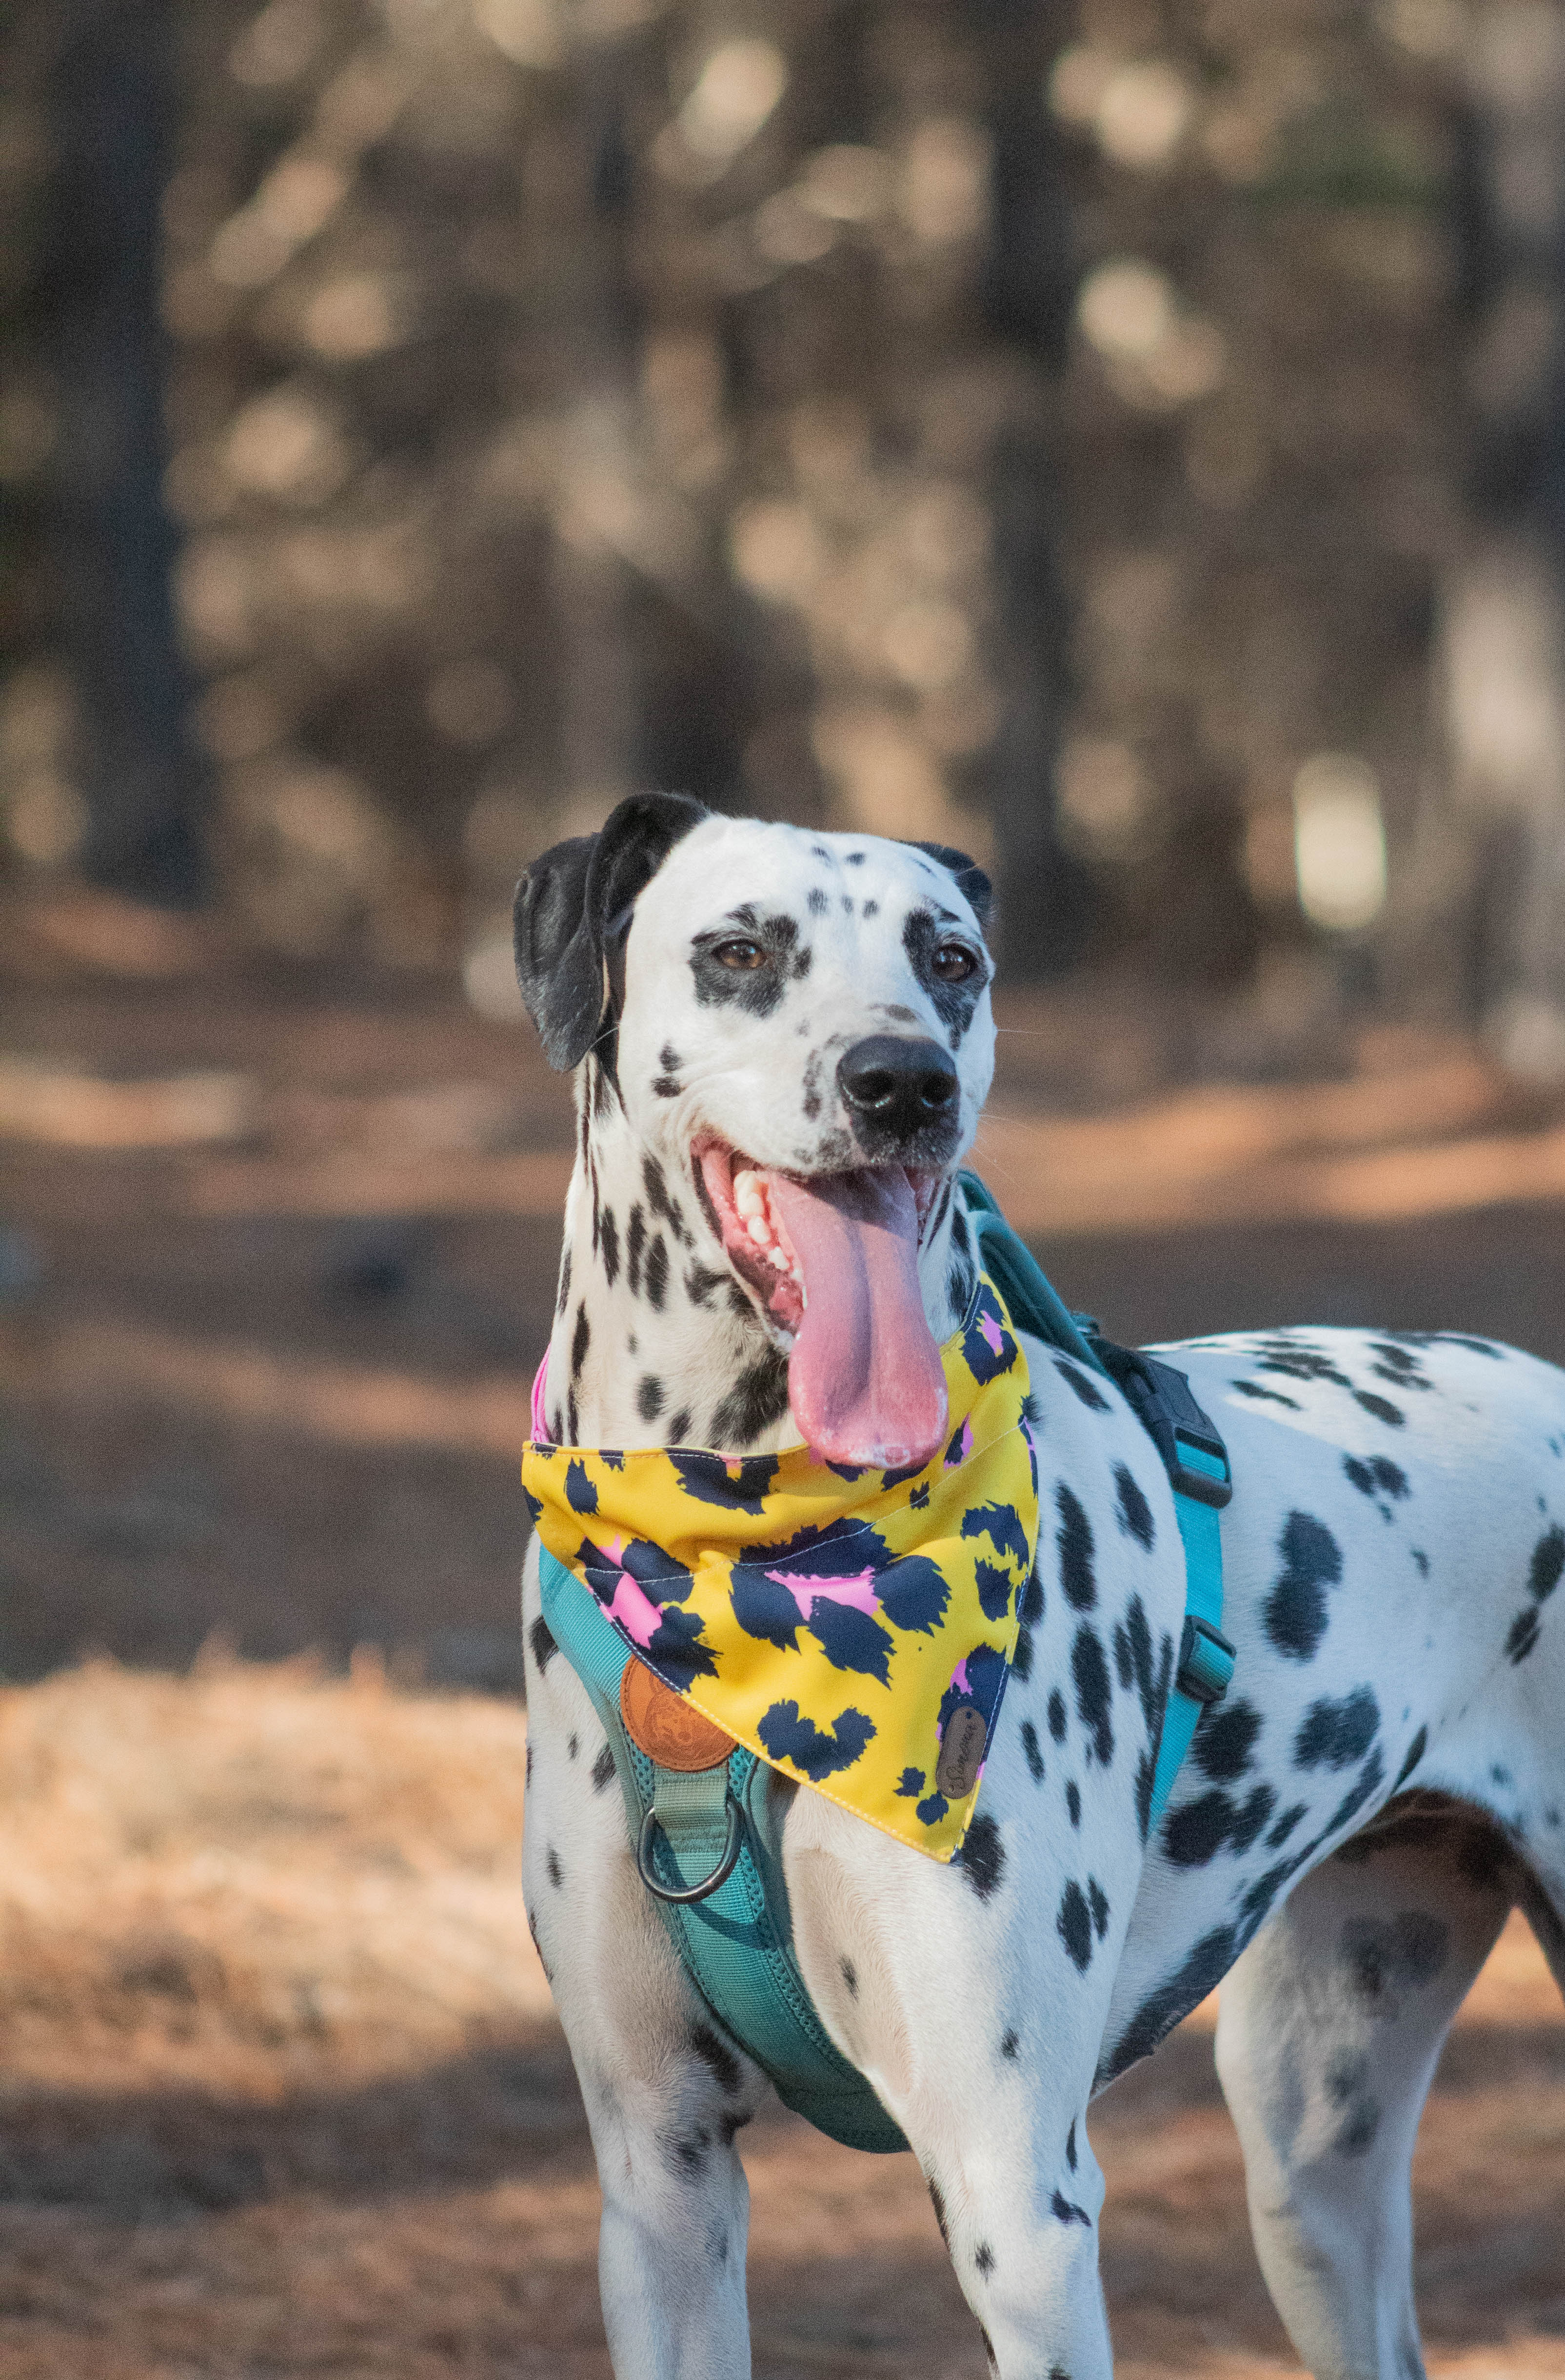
{"type": "Point", "coordinates": [854, 1628]}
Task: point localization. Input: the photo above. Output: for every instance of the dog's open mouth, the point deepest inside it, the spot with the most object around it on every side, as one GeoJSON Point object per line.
{"type": "Point", "coordinates": [833, 1258]}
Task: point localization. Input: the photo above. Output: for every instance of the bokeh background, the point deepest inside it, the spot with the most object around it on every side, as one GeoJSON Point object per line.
{"type": "Point", "coordinates": [1127, 440]}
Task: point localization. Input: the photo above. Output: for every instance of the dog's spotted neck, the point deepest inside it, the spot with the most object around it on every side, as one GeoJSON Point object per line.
{"type": "Point", "coordinates": [656, 1342]}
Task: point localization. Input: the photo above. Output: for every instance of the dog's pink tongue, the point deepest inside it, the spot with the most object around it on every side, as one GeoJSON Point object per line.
{"type": "Point", "coordinates": [864, 1380]}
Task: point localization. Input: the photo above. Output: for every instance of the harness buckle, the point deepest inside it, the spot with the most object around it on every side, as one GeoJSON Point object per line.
{"type": "Point", "coordinates": [1167, 1410]}
{"type": "Point", "coordinates": [1206, 1661]}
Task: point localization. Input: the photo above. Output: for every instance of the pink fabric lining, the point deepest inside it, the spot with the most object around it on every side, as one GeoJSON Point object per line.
{"type": "Point", "coordinates": [539, 1389]}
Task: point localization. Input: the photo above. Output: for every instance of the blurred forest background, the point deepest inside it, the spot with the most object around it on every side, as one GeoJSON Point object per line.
{"type": "Point", "coordinates": [1127, 440]}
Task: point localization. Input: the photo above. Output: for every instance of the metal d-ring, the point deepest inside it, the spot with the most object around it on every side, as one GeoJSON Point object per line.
{"type": "Point", "coordinates": [733, 1844]}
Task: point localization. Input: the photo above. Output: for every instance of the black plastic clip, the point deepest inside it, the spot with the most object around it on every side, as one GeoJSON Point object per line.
{"type": "Point", "coordinates": [1206, 1661]}
{"type": "Point", "coordinates": [1169, 1413]}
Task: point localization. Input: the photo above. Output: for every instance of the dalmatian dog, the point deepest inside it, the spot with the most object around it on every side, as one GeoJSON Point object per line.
{"type": "Point", "coordinates": [783, 1040]}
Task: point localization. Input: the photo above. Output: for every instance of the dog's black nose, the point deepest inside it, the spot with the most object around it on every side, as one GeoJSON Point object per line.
{"type": "Point", "coordinates": [895, 1087]}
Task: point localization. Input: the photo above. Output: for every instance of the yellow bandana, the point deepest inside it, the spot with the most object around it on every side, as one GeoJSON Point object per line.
{"type": "Point", "coordinates": [854, 1628]}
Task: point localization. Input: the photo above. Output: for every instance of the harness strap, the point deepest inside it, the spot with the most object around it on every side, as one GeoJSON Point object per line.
{"type": "Point", "coordinates": [1192, 1453]}
{"type": "Point", "coordinates": [737, 1941]}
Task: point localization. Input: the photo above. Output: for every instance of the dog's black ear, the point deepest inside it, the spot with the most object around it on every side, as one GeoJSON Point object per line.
{"type": "Point", "coordinates": [970, 877]}
{"type": "Point", "coordinates": [559, 965]}
{"type": "Point", "coordinates": [573, 911]}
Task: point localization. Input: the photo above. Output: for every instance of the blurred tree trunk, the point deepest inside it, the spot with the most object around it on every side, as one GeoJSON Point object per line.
{"type": "Point", "coordinates": [113, 103]}
{"type": "Point", "coordinates": [1494, 840]}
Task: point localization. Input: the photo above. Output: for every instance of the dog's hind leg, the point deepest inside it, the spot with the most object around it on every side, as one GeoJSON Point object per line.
{"type": "Point", "coordinates": [665, 2093]}
{"type": "Point", "coordinates": [1331, 2027]}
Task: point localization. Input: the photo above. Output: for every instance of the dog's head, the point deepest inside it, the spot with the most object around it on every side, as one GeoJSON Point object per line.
{"type": "Point", "coordinates": [799, 1025]}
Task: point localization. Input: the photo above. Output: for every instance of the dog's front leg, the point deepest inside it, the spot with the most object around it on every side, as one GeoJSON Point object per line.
{"type": "Point", "coordinates": [980, 2036]}
{"type": "Point", "coordinates": [665, 2094]}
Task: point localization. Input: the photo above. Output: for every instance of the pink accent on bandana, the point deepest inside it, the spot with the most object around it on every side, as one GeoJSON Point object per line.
{"type": "Point", "coordinates": [959, 1677]}
{"type": "Point", "coordinates": [992, 1332]}
{"type": "Point", "coordinates": [964, 1449]}
{"type": "Point", "coordinates": [630, 1608]}
{"type": "Point", "coordinates": [858, 1592]}
{"type": "Point", "coordinates": [539, 1389]}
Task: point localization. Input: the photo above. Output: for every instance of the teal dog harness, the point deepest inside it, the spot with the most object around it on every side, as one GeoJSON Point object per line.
{"type": "Point", "coordinates": [708, 1846]}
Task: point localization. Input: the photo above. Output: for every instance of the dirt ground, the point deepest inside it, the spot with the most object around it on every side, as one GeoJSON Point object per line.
{"type": "Point", "coordinates": [282, 2091]}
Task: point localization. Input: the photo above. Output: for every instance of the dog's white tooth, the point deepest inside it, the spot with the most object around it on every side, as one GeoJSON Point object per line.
{"type": "Point", "coordinates": [776, 1257]}
{"type": "Point", "coordinates": [747, 1193]}
{"type": "Point", "coordinates": [760, 1231]}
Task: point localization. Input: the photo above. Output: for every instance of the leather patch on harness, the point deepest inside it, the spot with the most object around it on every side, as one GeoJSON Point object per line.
{"type": "Point", "coordinates": [961, 1751]}
{"type": "Point", "coordinates": [668, 1729]}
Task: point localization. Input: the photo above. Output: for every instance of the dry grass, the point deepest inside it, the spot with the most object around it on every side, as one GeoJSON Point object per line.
{"type": "Point", "coordinates": [209, 1875]}
{"type": "Point", "coordinates": [282, 2093]}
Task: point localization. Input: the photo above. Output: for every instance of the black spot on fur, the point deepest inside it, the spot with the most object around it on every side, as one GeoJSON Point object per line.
{"type": "Point", "coordinates": [572, 1746]}
{"type": "Point", "coordinates": [657, 1273]}
{"type": "Point", "coordinates": [1057, 1720]}
{"type": "Point", "coordinates": [1335, 1734]}
{"type": "Point", "coordinates": [1295, 1610]}
{"type": "Point", "coordinates": [1086, 1387]}
{"type": "Point", "coordinates": [1094, 1700]}
{"type": "Point", "coordinates": [1135, 1512]}
{"type": "Point", "coordinates": [542, 1640]}
{"type": "Point", "coordinates": [1224, 1741]}
{"type": "Point", "coordinates": [1074, 1924]}
{"type": "Point", "coordinates": [635, 1241]}
{"type": "Point", "coordinates": [1066, 2211]}
{"type": "Point", "coordinates": [1214, 1821]}
{"type": "Point", "coordinates": [687, 2150]}
{"type": "Point", "coordinates": [609, 1246]}
{"type": "Point", "coordinates": [679, 1428]}
{"type": "Point", "coordinates": [1071, 2145]}
{"type": "Point", "coordinates": [1099, 1900]}
{"type": "Point", "coordinates": [602, 1769]}
{"type": "Point", "coordinates": [580, 1338]}
{"type": "Point", "coordinates": [983, 2258]}
{"type": "Point", "coordinates": [1030, 1609]}
{"type": "Point", "coordinates": [1030, 1749]}
{"type": "Point", "coordinates": [1010, 2042]}
{"type": "Point", "coordinates": [650, 1396]}
{"type": "Point", "coordinates": [552, 1861]}
{"type": "Point", "coordinates": [1074, 1803]}
{"type": "Point", "coordinates": [666, 1087]}
{"type": "Point", "coordinates": [817, 901]}
{"type": "Point", "coordinates": [660, 1202]}
{"type": "Point", "coordinates": [1377, 1477]}
{"type": "Point", "coordinates": [1074, 1539]}
{"type": "Point", "coordinates": [1381, 1407]}
{"type": "Point", "coordinates": [1415, 1753]}
{"type": "Point", "coordinates": [1253, 1390]}
{"type": "Point", "coordinates": [849, 1976]}
{"type": "Point", "coordinates": [757, 1398]}
{"type": "Point", "coordinates": [983, 1855]}
{"type": "Point", "coordinates": [700, 1286]}
{"type": "Point", "coordinates": [715, 2053]}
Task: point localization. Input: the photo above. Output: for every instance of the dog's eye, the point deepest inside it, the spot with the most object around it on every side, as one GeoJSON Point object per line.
{"type": "Point", "coordinates": [739, 955]}
{"type": "Point", "coordinates": [953, 962]}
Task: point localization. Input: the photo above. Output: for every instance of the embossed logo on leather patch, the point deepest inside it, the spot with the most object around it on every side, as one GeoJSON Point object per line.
{"type": "Point", "coordinates": [961, 1751]}
{"type": "Point", "coordinates": [668, 1729]}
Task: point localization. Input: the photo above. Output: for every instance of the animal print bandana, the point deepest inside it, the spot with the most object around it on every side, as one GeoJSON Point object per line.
{"type": "Point", "coordinates": [854, 1628]}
